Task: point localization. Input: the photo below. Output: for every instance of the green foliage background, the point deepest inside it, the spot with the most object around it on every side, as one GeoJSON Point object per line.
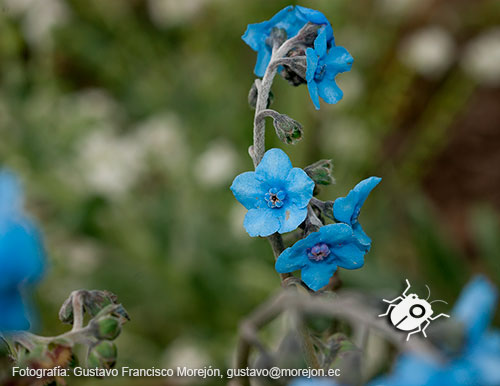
{"type": "Point", "coordinates": [165, 232]}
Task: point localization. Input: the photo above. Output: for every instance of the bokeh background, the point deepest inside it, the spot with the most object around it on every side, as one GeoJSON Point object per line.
{"type": "Point", "coordinates": [128, 120]}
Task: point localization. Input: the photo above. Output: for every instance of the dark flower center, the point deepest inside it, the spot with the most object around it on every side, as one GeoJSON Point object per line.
{"type": "Point", "coordinates": [320, 71]}
{"type": "Point", "coordinates": [274, 198]}
{"type": "Point", "coordinates": [319, 252]}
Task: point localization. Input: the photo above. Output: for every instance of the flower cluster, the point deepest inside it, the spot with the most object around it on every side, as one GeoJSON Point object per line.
{"type": "Point", "coordinates": [21, 254]}
{"type": "Point", "coordinates": [324, 59]}
{"type": "Point", "coordinates": [278, 196]}
{"type": "Point", "coordinates": [290, 19]}
{"type": "Point", "coordinates": [477, 361]}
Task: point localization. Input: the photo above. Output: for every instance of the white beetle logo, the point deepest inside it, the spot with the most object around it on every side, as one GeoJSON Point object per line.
{"type": "Point", "coordinates": [411, 313]}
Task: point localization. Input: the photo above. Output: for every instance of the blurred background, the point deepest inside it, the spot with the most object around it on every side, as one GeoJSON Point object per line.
{"type": "Point", "coordinates": [128, 120]}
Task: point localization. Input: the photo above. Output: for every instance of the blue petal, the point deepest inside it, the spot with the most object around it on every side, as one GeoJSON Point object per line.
{"type": "Point", "coordinates": [349, 256]}
{"type": "Point", "coordinates": [362, 237]}
{"type": "Point", "coordinates": [317, 17]}
{"type": "Point", "coordinates": [329, 91]}
{"type": "Point", "coordinates": [249, 191]}
{"type": "Point", "coordinates": [338, 60]}
{"type": "Point", "coordinates": [320, 43]}
{"type": "Point", "coordinates": [11, 196]}
{"type": "Point", "coordinates": [336, 234]}
{"type": "Point", "coordinates": [274, 167]}
{"type": "Point", "coordinates": [12, 315]}
{"type": "Point", "coordinates": [313, 92]}
{"type": "Point", "coordinates": [312, 64]}
{"type": "Point", "coordinates": [476, 306]}
{"type": "Point", "coordinates": [21, 253]}
{"type": "Point", "coordinates": [485, 357]}
{"type": "Point", "coordinates": [261, 222]}
{"type": "Point", "coordinates": [291, 259]}
{"type": "Point", "coordinates": [291, 217]}
{"type": "Point", "coordinates": [317, 275]}
{"type": "Point", "coordinates": [365, 187]}
{"type": "Point", "coordinates": [344, 207]}
{"type": "Point", "coordinates": [263, 59]}
{"type": "Point", "coordinates": [299, 187]}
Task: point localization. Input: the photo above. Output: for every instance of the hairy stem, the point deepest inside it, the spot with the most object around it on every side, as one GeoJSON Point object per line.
{"type": "Point", "coordinates": [259, 127]}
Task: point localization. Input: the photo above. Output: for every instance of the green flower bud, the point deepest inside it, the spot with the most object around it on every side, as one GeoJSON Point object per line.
{"type": "Point", "coordinates": [288, 130]}
{"type": "Point", "coordinates": [103, 355]}
{"type": "Point", "coordinates": [321, 172]}
{"type": "Point", "coordinates": [106, 327]}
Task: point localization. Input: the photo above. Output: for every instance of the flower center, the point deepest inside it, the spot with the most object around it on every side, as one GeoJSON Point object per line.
{"type": "Point", "coordinates": [319, 252]}
{"type": "Point", "coordinates": [275, 198]}
{"type": "Point", "coordinates": [320, 72]}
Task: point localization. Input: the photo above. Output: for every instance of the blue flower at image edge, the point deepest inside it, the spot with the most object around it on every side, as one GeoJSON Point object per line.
{"type": "Point", "coordinates": [320, 253]}
{"type": "Point", "coordinates": [347, 209]}
{"type": "Point", "coordinates": [477, 364]}
{"type": "Point", "coordinates": [276, 195]}
{"type": "Point", "coordinates": [323, 65]}
{"type": "Point", "coordinates": [313, 382]}
{"type": "Point", "coordinates": [21, 254]}
{"type": "Point", "coordinates": [291, 19]}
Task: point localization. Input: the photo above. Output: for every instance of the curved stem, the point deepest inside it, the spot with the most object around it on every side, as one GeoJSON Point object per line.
{"type": "Point", "coordinates": [259, 128]}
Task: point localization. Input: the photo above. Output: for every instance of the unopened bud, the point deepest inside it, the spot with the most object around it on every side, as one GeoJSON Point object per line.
{"type": "Point", "coordinates": [321, 172]}
{"type": "Point", "coordinates": [288, 130]}
{"type": "Point", "coordinates": [307, 35]}
{"type": "Point", "coordinates": [294, 71]}
{"type": "Point", "coordinates": [106, 327]}
{"type": "Point", "coordinates": [103, 355]}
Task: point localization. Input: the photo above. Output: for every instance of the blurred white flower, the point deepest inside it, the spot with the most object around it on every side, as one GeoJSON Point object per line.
{"type": "Point", "coordinates": [352, 85]}
{"type": "Point", "coordinates": [38, 18]}
{"type": "Point", "coordinates": [430, 51]}
{"type": "Point", "coordinates": [235, 218]}
{"type": "Point", "coordinates": [401, 8]}
{"type": "Point", "coordinates": [110, 164]}
{"type": "Point", "coordinates": [162, 139]}
{"type": "Point", "coordinates": [348, 137]}
{"type": "Point", "coordinates": [185, 352]}
{"type": "Point", "coordinates": [217, 164]}
{"type": "Point", "coordinates": [81, 257]}
{"type": "Point", "coordinates": [92, 103]}
{"type": "Point", "coordinates": [481, 58]}
{"type": "Point", "coordinates": [167, 13]}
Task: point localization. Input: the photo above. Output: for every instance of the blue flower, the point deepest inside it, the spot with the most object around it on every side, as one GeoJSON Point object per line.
{"type": "Point", "coordinates": [291, 19]}
{"type": "Point", "coordinates": [320, 253]}
{"type": "Point", "coordinates": [478, 362]}
{"type": "Point", "coordinates": [323, 65]}
{"type": "Point", "coordinates": [313, 382]}
{"type": "Point", "coordinates": [276, 195]}
{"type": "Point", "coordinates": [475, 307]}
{"type": "Point", "coordinates": [21, 254]}
{"type": "Point", "coordinates": [347, 209]}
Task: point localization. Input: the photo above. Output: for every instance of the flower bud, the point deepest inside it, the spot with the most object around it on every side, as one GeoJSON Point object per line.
{"type": "Point", "coordinates": [103, 355]}
{"type": "Point", "coordinates": [106, 327]}
{"type": "Point", "coordinates": [295, 70]}
{"type": "Point", "coordinates": [288, 130]}
{"type": "Point", "coordinates": [321, 172]}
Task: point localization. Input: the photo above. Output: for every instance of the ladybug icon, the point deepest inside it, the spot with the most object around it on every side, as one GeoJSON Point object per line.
{"type": "Point", "coordinates": [411, 313]}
